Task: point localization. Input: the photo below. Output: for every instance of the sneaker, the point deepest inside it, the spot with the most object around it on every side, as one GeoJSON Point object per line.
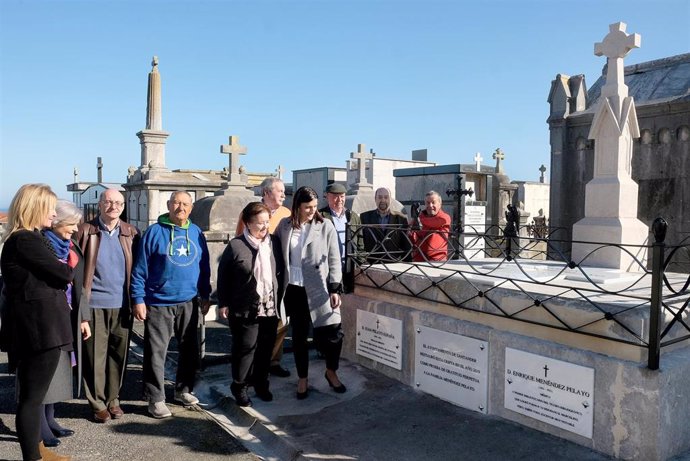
{"type": "Point", "coordinates": [186, 398]}
{"type": "Point", "coordinates": [159, 410]}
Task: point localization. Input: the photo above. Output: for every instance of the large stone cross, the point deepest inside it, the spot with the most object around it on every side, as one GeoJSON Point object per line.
{"type": "Point", "coordinates": [234, 150]}
{"type": "Point", "coordinates": [361, 156]}
{"type": "Point", "coordinates": [616, 45]}
{"type": "Point", "coordinates": [542, 170]}
{"type": "Point", "coordinates": [478, 161]}
{"type": "Point", "coordinates": [499, 156]}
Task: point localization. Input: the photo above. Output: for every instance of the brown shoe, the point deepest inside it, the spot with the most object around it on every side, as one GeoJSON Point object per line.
{"type": "Point", "coordinates": [116, 412]}
{"type": "Point", "coordinates": [102, 416]}
{"type": "Point", "coordinates": [48, 455]}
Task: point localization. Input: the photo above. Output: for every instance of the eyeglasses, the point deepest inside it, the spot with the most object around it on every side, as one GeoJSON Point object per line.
{"type": "Point", "coordinates": [113, 203]}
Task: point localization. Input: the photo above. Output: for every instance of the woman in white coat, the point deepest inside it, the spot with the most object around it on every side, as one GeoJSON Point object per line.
{"type": "Point", "coordinates": [313, 279]}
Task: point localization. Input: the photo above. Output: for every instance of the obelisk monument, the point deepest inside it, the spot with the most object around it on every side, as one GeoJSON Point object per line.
{"type": "Point", "coordinates": [153, 138]}
{"type": "Point", "coordinates": [611, 195]}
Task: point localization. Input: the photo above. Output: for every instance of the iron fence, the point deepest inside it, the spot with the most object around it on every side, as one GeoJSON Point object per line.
{"type": "Point", "coordinates": [646, 306]}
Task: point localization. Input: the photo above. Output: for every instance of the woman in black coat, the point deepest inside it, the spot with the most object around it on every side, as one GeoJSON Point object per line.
{"type": "Point", "coordinates": [38, 320]}
{"type": "Point", "coordinates": [59, 238]}
{"type": "Point", "coordinates": [249, 274]}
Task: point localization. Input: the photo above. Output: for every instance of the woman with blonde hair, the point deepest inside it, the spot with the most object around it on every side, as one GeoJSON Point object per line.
{"type": "Point", "coordinates": [37, 324]}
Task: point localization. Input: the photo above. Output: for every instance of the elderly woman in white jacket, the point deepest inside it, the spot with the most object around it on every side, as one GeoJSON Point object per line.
{"type": "Point", "coordinates": [313, 279]}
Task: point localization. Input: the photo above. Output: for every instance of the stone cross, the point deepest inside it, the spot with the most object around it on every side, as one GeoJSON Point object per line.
{"type": "Point", "coordinates": [281, 171]}
{"type": "Point", "coordinates": [361, 156]}
{"type": "Point", "coordinates": [499, 156]}
{"type": "Point", "coordinates": [542, 170]}
{"type": "Point", "coordinates": [234, 150]}
{"type": "Point", "coordinates": [478, 161]}
{"type": "Point", "coordinates": [616, 45]}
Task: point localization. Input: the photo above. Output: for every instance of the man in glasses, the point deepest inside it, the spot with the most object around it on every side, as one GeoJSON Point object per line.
{"type": "Point", "coordinates": [107, 244]}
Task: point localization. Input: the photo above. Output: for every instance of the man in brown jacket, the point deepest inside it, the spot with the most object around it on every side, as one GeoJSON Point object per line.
{"type": "Point", "coordinates": [107, 244]}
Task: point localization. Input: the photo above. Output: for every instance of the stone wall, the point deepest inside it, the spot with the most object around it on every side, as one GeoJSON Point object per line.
{"type": "Point", "coordinates": [639, 414]}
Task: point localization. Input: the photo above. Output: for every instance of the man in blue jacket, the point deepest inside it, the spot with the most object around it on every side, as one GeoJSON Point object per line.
{"type": "Point", "coordinates": [171, 272]}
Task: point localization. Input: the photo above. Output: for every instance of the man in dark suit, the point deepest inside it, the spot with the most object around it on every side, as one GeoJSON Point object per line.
{"type": "Point", "coordinates": [385, 231]}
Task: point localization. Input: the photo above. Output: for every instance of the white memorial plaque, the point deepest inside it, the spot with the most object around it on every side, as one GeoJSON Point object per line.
{"type": "Point", "coordinates": [379, 338]}
{"type": "Point", "coordinates": [452, 367]}
{"type": "Point", "coordinates": [474, 223]}
{"type": "Point", "coordinates": [553, 391]}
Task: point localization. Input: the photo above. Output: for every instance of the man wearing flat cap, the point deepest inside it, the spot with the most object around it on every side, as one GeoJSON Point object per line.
{"type": "Point", "coordinates": [341, 217]}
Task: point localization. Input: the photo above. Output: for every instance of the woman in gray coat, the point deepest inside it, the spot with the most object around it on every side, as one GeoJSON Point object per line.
{"type": "Point", "coordinates": [313, 278]}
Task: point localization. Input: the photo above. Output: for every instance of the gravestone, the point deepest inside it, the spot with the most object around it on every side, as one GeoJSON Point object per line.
{"type": "Point", "coordinates": [217, 216]}
{"type": "Point", "coordinates": [611, 195]}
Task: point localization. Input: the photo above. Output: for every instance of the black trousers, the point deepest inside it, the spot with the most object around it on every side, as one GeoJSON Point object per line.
{"type": "Point", "coordinates": [328, 339]}
{"type": "Point", "coordinates": [34, 373]}
{"type": "Point", "coordinates": [252, 346]}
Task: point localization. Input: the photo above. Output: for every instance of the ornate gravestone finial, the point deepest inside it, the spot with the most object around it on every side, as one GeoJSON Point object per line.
{"type": "Point", "coordinates": [478, 161]}
{"type": "Point", "coordinates": [542, 170]}
{"type": "Point", "coordinates": [615, 46]}
{"type": "Point", "coordinates": [361, 156]}
{"type": "Point", "coordinates": [234, 150]}
{"type": "Point", "coordinates": [499, 156]}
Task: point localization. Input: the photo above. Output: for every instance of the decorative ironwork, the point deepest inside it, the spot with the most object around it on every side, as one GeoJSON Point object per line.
{"type": "Point", "coordinates": [646, 307]}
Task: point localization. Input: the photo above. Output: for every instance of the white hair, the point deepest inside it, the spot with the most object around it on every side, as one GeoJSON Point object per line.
{"type": "Point", "coordinates": [67, 213]}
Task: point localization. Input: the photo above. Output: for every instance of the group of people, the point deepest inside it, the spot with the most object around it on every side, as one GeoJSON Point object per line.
{"type": "Point", "coordinates": [65, 310]}
{"type": "Point", "coordinates": [283, 268]}
{"type": "Point", "coordinates": [390, 236]}
{"type": "Point", "coordinates": [71, 293]}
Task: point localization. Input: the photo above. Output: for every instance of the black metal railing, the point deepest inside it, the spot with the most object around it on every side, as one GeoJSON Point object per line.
{"type": "Point", "coordinates": [647, 307]}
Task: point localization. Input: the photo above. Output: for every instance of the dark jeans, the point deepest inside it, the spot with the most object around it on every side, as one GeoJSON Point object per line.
{"type": "Point", "coordinates": [161, 323]}
{"type": "Point", "coordinates": [34, 373]}
{"type": "Point", "coordinates": [328, 339]}
{"type": "Point", "coordinates": [252, 344]}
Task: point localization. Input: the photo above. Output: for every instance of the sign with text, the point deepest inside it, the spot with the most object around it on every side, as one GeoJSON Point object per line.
{"type": "Point", "coordinates": [474, 222]}
{"type": "Point", "coordinates": [555, 392]}
{"type": "Point", "coordinates": [452, 367]}
{"type": "Point", "coordinates": [379, 338]}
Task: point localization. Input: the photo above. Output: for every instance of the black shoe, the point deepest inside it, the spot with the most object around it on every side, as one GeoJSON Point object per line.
{"type": "Point", "coordinates": [338, 389]}
{"type": "Point", "coordinates": [239, 391]}
{"type": "Point", "coordinates": [277, 370]}
{"type": "Point", "coordinates": [264, 394]}
{"type": "Point", "coordinates": [51, 443]}
{"type": "Point", "coordinates": [303, 395]}
{"type": "Point", "coordinates": [62, 433]}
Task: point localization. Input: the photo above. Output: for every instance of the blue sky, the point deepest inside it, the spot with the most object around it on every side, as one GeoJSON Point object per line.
{"type": "Point", "coordinates": [300, 82]}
